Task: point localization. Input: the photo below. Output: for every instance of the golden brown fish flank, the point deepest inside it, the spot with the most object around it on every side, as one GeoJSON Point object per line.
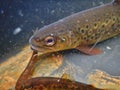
{"type": "Point", "coordinates": [103, 27]}
{"type": "Point", "coordinates": [52, 83]}
{"type": "Point", "coordinates": [47, 83]}
{"type": "Point", "coordinates": [80, 29]}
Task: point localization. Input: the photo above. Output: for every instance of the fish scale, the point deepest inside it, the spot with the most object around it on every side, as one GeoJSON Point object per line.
{"type": "Point", "coordinates": [105, 27]}
{"type": "Point", "coordinates": [80, 29]}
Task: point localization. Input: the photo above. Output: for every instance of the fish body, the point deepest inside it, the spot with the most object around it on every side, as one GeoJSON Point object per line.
{"type": "Point", "coordinates": [25, 82]}
{"type": "Point", "coordinates": [52, 83]}
{"type": "Point", "coordinates": [80, 29]}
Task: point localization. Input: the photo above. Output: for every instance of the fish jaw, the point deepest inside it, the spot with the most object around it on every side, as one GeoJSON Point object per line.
{"type": "Point", "coordinates": [35, 47]}
{"type": "Point", "coordinates": [38, 48]}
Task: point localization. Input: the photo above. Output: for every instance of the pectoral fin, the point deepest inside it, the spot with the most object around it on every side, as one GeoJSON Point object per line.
{"type": "Point", "coordinates": [88, 50]}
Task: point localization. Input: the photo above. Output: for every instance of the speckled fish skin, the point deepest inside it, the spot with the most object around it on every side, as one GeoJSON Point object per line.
{"type": "Point", "coordinates": [83, 28]}
{"type": "Point", "coordinates": [52, 83]}
{"type": "Point", "coordinates": [25, 82]}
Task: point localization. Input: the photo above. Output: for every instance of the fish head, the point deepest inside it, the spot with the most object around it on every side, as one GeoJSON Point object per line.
{"type": "Point", "coordinates": [49, 39]}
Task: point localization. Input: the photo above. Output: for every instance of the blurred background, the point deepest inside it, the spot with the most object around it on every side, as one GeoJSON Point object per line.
{"type": "Point", "coordinates": [19, 18]}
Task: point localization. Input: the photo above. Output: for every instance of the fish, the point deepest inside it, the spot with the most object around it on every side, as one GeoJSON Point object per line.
{"type": "Point", "coordinates": [65, 82]}
{"type": "Point", "coordinates": [52, 83]}
{"type": "Point", "coordinates": [81, 31]}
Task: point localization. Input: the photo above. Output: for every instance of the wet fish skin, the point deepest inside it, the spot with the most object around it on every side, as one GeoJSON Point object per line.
{"type": "Point", "coordinates": [25, 82]}
{"type": "Point", "coordinates": [81, 29]}
{"type": "Point", "coordinates": [52, 83]}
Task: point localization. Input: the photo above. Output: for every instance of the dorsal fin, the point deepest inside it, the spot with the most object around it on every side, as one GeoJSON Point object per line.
{"type": "Point", "coordinates": [116, 1]}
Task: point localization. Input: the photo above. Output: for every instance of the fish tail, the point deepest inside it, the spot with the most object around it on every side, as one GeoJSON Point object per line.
{"type": "Point", "coordinates": [116, 1]}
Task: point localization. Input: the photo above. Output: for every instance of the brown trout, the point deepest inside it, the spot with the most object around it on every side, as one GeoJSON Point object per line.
{"type": "Point", "coordinates": [52, 83]}
{"type": "Point", "coordinates": [48, 83]}
{"type": "Point", "coordinates": [80, 30]}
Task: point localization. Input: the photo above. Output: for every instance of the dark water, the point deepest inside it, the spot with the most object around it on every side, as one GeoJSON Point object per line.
{"type": "Point", "coordinates": [19, 17]}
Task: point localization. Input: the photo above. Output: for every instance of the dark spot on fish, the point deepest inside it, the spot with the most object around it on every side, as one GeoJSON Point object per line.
{"type": "Point", "coordinates": [118, 19]}
{"type": "Point", "coordinates": [95, 24]}
{"type": "Point", "coordinates": [92, 37]}
{"type": "Point", "coordinates": [82, 31]}
{"type": "Point", "coordinates": [79, 31]}
{"type": "Point", "coordinates": [114, 19]}
{"type": "Point", "coordinates": [87, 26]}
{"type": "Point", "coordinates": [107, 21]}
{"type": "Point", "coordinates": [79, 28]}
{"type": "Point", "coordinates": [74, 42]}
{"type": "Point", "coordinates": [103, 25]}
{"type": "Point", "coordinates": [90, 32]}
{"type": "Point", "coordinates": [96, 37]}
{"type": "Point", "coordinates": [85, 38]}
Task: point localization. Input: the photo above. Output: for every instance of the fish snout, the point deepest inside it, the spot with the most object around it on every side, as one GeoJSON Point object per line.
{"type": "Point", "coordinates": [34, 40]}
{"type": "Point", "coordinates": [30, 40]}
{"type": "Point", "coordinates": [32, 43]}
{"type": "Point", "coordinates": [35, 45]}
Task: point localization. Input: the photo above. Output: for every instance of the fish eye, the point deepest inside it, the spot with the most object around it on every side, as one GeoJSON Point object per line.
{"type": "Point", "coordinates": [49, 41]}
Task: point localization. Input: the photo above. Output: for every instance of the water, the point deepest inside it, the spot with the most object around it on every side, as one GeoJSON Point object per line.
{"type": "Point", "coordinates": [18, 20]}
{"type": "Point", "coordinates": [29, 15]}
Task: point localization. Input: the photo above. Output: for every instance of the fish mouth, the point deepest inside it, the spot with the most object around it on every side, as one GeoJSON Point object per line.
{"type": "Point", "coordinates": [36, 48]}
{"type": "Point", "coordinates": [41, 49]}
